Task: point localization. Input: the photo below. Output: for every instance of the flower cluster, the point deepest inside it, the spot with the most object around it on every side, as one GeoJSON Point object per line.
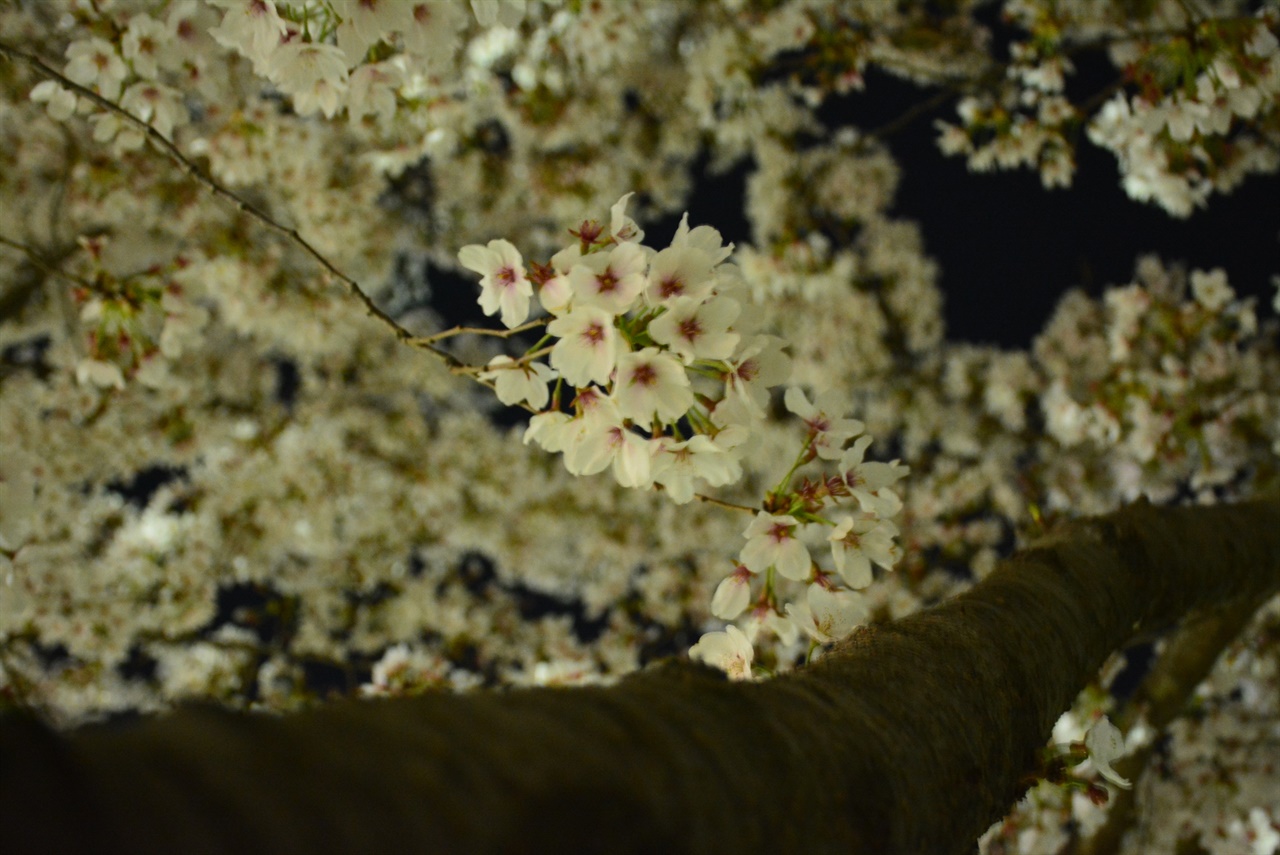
{"type": "Point", "coordinates": [651, 370]}
{"type": "Point", "coordinates": [1195, 115]}
{"type": "Point", "coordinates": [777, 550]}
{"type": "Point", "coordinates": [659, 377]}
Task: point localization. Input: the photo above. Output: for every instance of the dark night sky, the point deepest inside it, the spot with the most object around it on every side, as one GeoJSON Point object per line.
{"type": "Point", "coordinates": [1007, 248]}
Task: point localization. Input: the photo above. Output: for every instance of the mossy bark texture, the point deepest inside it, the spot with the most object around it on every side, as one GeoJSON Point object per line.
{"type": "Point", "coordinates": [910, 737]}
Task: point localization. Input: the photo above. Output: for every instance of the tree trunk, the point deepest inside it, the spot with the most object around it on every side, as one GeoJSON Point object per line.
{"type": "Point", "coordinates": [909, 737]}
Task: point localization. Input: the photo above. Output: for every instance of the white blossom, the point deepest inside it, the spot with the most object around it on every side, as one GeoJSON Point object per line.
{"type": "Point", "coordinates": [772, 542]}
{"type": "Point", "coordinates": [730, 651]}
{"type": "Point", "coordinates": [1105, 744]}
{"type": "Point", "coordinates": [503, 285]}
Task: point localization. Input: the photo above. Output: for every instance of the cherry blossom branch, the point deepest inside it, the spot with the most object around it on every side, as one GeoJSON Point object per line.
{"type": "Point", "coordinates": [733, 506]}
{"type": "Point", "coordinates": [168, 147]}
{"type": "Point", "coordinates": [450, 333]}
{"type": "Point", "coordinates": [515, 363]}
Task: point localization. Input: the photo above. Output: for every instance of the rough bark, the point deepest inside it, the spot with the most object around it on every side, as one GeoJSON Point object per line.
{"type": "Point", "coordinates": [911, 737]}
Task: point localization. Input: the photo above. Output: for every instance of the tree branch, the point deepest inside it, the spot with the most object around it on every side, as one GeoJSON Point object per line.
{"type": "Point", "coordinates": [909, 737]}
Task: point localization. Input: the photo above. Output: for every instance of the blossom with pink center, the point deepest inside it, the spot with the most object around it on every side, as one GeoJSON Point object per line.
{"type": "Point", "coordinates": [588, 348]}
{"type": "Point", "coordinates": [603, 442]}
{"type": "Point", "coordinates": [503, 284]}
{"type": "Point", "coordinates": [730, 651]}
{"type": "Point", "coordinates": [678, 464]}
{"type": "Point", "coordinates": [313, 74]}
{"type": "Point", "coordinates": [869, 482]}
{"type": "Point", "coordinates": [144, 43]}
{"type": "Point", "coordinates": [611, 280]}
{"type": "Point", "coordinates": [622, 227]}
{"type": "Point", "coordinates": [771, 542]}
{"type": "Point", "coordinates": [758, 366]}
{"type": "Point", "coordinates": [432, 30]}
{"type": "Point", "coordinates": [95, 63]}
{"type": "Point", "coordinates": [828, 615]}
{"type": "Point", "coordinates": [253, 27]}
{"type": "Point", "coordinates": [732, 594]}
{"type": "Point", "coordinates": [856, 542]}
{"type": "Point", "coordinates": [517, 383]}
{"type": "Point", "coordinates": [651, 384]}
{"type": "Point", "coordinates": [679, 271]}
{"type": "Point", "coordinates": [697, 330]}
{"type": "Point", "coordinates": [827, 429]}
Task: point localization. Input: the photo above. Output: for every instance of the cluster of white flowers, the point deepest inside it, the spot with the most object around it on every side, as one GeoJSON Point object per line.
{"type": "Point", "coordinates": [1199, 121]}
{"type": "Point", "coordinates": [668, 386]}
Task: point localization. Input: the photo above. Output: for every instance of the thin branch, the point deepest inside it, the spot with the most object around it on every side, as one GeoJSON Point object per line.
{"type": "Point", "coordinates": [733, 506]}
{"type": "Point", "coordinates": [168, 147]}
{"type": "Point", "coordinates": [450, 333]}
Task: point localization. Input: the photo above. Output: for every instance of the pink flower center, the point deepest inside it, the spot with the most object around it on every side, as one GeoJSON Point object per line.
{"type": "Point", "coordinates": [594, 333]}
{"type": "Point", "coordinates": [779, 532]}
{"type": "Point", "coordinates": [690, 329]}
{"type": "Point", "coordinates": [607, 281]}
{"type": "Point", "coordinates": [644, 375]}
{"type": "Point", "coordinates": [670, 286]}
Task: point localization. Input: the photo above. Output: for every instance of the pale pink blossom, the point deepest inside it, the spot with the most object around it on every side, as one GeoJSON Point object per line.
{"type": "Point", "coordinates": [730, 651]}
{"type": "Point", "coordinates": [1105, 744]}
{"type": "Point", "coordinates": [827, 429]}
{"type": "Point", "coordinates": [314, 75]}
{"type": "Point", "coordinates": [679, 271]}
{"type": "Point", "coordinates": [697, 330]}
{"type": "Point", "coordinates": [827, 615]}
{"type": "Point", "coordinates": [732, 594]}
{"type": "Point", "coordinates": [611, 280]}
{"type": "Point", "coordinates": [94, 63]}
{"type": "Point", "coordinates": [365, 22]}
{"type": "Point", "coordinates": [371, 89]}
{"type": "Point", "coordinates": [517, 383]}
{"type": "Point", "coordinates": [678, 464]}
{"type": "Point", "coordinates": [60, 103]}
{"type": "Point", "coordinates": [622, 227]}
{"type": "Point", "coordinates": [858, 541]}
{"type": "Point", "coordinates": [503, 285]}
{"type": "Point", "coordinates": [869, 481]}
{"type": "Point", "coordinates": [759, 365]}
{"type": "Point", "coordinates": [651, 384]}
{"type": "Point", "coordinates": [432, 30]}
{"type": "Point", "coordinates": [252, 27]}
{"type": "Point", "coordinates": [705, 239]}
{"type": "Point", "coordinates": [772, 542]}
{"type": "Point", "coordinates": [144, 43]}
{"type": "Point", "coordinates": [588, 347]}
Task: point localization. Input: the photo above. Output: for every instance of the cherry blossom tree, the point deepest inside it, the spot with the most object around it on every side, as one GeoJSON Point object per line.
{"type": "Point", "coordinates": [253, 452]}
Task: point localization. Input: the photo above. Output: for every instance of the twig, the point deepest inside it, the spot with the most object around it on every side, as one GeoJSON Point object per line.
{"type": "Point", "coordinates": [450, 333]}
{"type": "Point", "coordinates": [168, 147]}
{"type": "Point", "coordinates": [733, 506]}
